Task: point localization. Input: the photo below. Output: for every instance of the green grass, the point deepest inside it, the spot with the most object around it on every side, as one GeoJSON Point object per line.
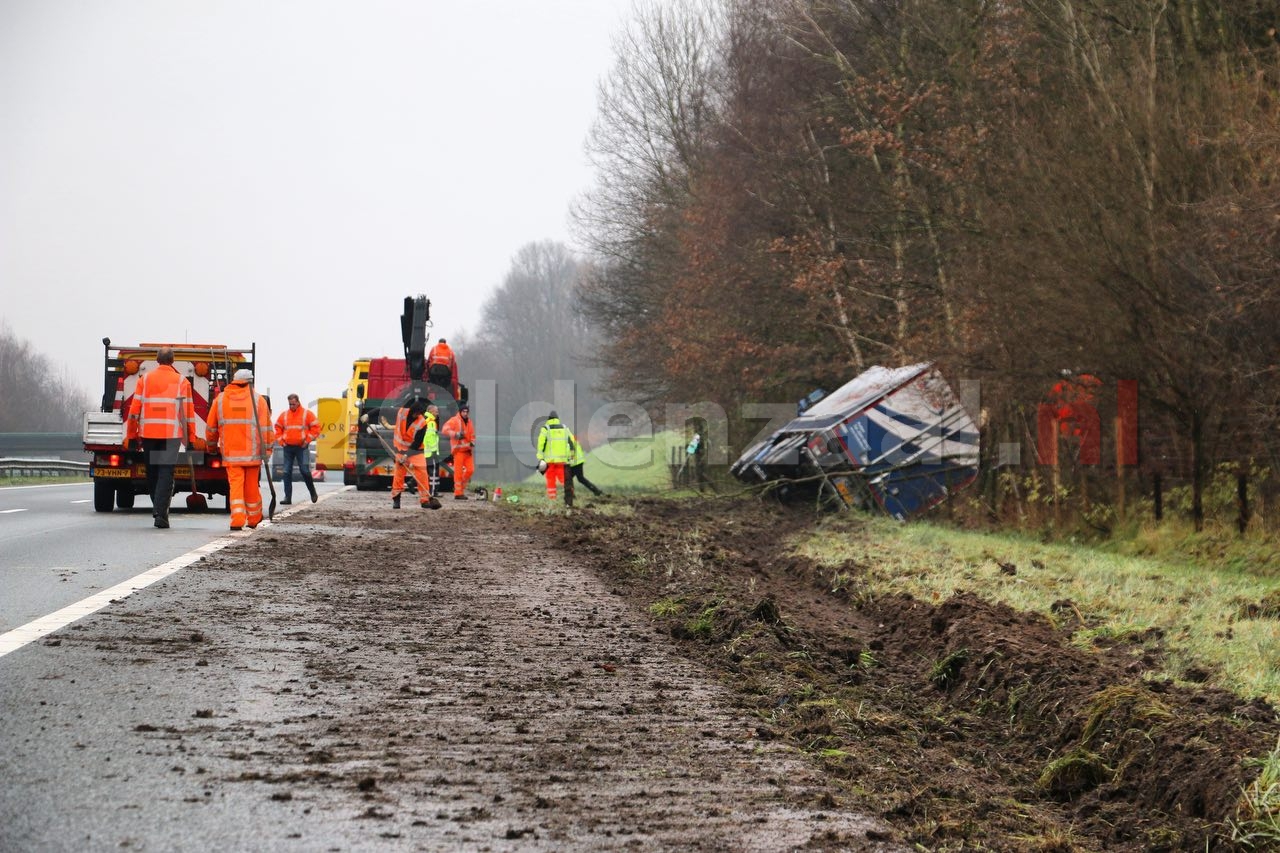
{"type": "Point", "coordinates": [1257, 827]}
{"type": "Point", "coordinates": [629, 466]}
{"type": "Point", "coordinates": [1201, 611]}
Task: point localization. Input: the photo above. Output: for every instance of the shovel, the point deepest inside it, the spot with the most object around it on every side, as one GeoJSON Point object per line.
{"type": "Point", "coordinates": [271, 510]}
{"type": "Point", "coordinates": [435, 504]}
{"type": "Point", "coordinates": [195, 500]}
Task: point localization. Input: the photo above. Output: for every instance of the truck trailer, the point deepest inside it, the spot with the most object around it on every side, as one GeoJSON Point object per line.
{"type": "Point", "coordinates": [892, 440]}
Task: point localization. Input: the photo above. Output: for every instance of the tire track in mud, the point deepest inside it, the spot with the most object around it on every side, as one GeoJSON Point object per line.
{"type": "Point", "coordinates": [438, 680]}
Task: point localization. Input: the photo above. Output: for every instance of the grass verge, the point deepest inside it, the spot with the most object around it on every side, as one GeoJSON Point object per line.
{"type": "Point", "coordinates": [1216, 624]}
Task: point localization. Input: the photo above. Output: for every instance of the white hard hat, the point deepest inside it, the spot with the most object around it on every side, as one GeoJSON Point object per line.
{"type": "Point", "coordinates": [244, 374]}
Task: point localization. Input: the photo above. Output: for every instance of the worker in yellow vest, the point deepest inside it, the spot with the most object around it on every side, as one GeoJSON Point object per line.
{"type": "Point", "coordinates": [577, 464]}
{"type": "Point", "coordinates": [555, 450]}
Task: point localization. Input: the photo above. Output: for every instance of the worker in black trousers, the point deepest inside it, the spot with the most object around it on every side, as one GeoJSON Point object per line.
{"type": "Point", "coordinates": [576, 465]}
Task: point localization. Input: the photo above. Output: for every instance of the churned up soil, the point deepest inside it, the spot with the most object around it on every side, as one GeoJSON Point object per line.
{"type": "Point", "coordinates": [962, 723]}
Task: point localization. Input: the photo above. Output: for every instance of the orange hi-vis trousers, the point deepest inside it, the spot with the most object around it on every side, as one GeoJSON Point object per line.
{"type": "Point", "coordinates": [555, 474]}
{"type": "Point", "coordinates": [244, 497]}
{"type": "Point", "coordinates": [418, 464]}
{"type": "Point", "coordinates": [463, 467]}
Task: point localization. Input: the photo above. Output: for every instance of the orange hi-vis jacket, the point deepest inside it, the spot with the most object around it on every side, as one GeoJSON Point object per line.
{"type": "Point", "coordinates": [461, 434]}
{"type": "Point", "coordinates": [162, 407]}
{"type": "Point", "coordinates": [406, 430]}
{"type": "Point", "coordinates": [240, 422]}
{"type": "Point", "coordinates": [297, 429]}
{"type": "Point", "coordinates": [442, 354]}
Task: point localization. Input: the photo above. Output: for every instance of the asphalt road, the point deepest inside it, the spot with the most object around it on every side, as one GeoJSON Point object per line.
{"type": "Point", "coordinates": [65, 782]}
{"type": "Point", "coordinates": [55, 550]}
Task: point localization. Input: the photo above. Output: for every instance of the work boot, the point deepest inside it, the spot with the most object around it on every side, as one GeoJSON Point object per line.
{"type": "Point", "coordinates": [432, 504]}
{"type": "Point", "coordinates": [286, 501]}
{"type": "Point", "coordinates": [395, 502]}
{"type": "Point", "coordinates": [461, 498]}
{"type": "Point", "coordinates": [314, 496]}
{"type": "Point", "coordinates": [237, 527]}
{"type": "Point", "coordinates": [162, 522]}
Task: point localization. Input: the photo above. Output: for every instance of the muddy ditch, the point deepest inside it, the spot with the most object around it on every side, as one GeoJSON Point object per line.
{"type": "Point", "coordinates": [964, 724]}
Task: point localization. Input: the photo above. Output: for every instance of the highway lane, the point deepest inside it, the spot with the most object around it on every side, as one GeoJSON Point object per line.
{"type": "Point", "coordinates": [55, 550]}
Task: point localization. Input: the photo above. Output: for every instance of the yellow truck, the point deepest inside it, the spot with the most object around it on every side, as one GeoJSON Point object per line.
{"type": "Point", "coordinates": [331, 446]}
{"type": "Point", "coordinates": [351, 399]}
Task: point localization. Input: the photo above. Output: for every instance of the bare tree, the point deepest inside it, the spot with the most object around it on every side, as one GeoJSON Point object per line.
{"type": "Point", "coordinates": [34, 397]}
{"type": "Point", "coordinates": [531, 335]}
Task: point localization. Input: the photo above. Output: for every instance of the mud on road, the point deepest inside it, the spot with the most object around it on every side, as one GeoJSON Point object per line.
{"type": "Point", "coordinates": [354, 677]}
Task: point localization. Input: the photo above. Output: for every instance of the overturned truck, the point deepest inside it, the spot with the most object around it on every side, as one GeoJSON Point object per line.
{"type": "Point", "coordinates": [894, 440]}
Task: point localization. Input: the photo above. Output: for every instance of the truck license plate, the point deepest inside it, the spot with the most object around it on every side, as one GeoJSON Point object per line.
{"type": "Point", "coordinates": [117, 473]}
{"type": "Point", "coordinates": [182, 473]}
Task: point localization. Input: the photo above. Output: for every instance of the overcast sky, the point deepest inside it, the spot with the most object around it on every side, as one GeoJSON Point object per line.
{"type": "Point", "coordinates": [282, 173]}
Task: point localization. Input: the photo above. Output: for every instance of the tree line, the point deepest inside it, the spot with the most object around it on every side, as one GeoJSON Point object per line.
{"type": "Point", "coordinates": [531, 337]}
{"type": "Point", "coordinates": [790, 191]}
{"type": "Point", "coordinates": [34, 396]}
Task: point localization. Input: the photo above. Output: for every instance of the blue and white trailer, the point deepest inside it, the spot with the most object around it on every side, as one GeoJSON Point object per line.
{"type": "Point", "coordinates": [897, 440]}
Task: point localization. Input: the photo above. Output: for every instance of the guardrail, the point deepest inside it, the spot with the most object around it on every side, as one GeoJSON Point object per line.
{"type": "Point", "coordinates": [11, 467]}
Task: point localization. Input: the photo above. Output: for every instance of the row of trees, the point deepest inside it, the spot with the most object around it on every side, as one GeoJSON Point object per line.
{"type": "Point", "coordinates": [792, 190]}
{"type": "Point", "coordinates": [34, 397]}
{"type": "Point", "coordinates": [532, 338]}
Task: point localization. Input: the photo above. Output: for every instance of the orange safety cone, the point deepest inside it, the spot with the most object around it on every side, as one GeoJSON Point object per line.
{"type": "Point", "coordinates": [497, 494]}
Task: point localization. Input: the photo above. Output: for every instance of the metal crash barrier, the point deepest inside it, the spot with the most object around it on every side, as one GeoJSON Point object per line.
{"type": "Point", "coordinates": [10, 467]}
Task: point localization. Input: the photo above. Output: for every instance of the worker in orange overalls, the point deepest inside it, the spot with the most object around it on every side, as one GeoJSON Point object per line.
{"type": "Point", "coordinates": [296, 428]}
{"type": "Point", "coordinates": [442, 367]}
{"type": "Point", "coordinates": [461, 432]}
{"type": "Point", "coordinates": [240, 423]}
{"type": "Point", "coordinates": [415, 439]}
{"type": "Point", "coordinates": [162, 415]}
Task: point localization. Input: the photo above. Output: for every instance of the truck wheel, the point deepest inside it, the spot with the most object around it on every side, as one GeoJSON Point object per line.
{"type": "Point", "coordinates": [366, 484]}
{"type": "Point", "coordinates": [124, 497]}
{"type": "Point", "coordinates": [104, 495]}
{"type": "Point", "coordinates": [348, 478]}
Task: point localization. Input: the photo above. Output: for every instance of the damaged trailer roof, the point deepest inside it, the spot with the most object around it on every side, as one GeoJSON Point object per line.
{"type": "Point", "coordinates": [897, 438]}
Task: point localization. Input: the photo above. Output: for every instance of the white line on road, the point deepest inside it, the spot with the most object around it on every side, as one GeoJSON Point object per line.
{"type": "Point", "coordinates": [32, 631]}
{"type": "Point", "coordinates": [85, 501]}
{"type": "Point", "coordinates": [6, 511]}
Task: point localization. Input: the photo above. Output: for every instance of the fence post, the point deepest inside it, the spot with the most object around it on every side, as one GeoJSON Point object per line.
{"type": "Point", "coordinates": [1242, 500]}
{"type": "Point", "coordinates": [1158, 495]}
{"type": "Point", "coordinates": [1120, 460]}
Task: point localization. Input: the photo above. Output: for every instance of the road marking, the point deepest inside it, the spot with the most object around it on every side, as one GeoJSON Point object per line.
{"type": "Point", "coordinates": [5, 511]}
{"type": "Point", "coordinates": [85, 501]}
{"type": "Point", "coordinates": [32, 631]}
